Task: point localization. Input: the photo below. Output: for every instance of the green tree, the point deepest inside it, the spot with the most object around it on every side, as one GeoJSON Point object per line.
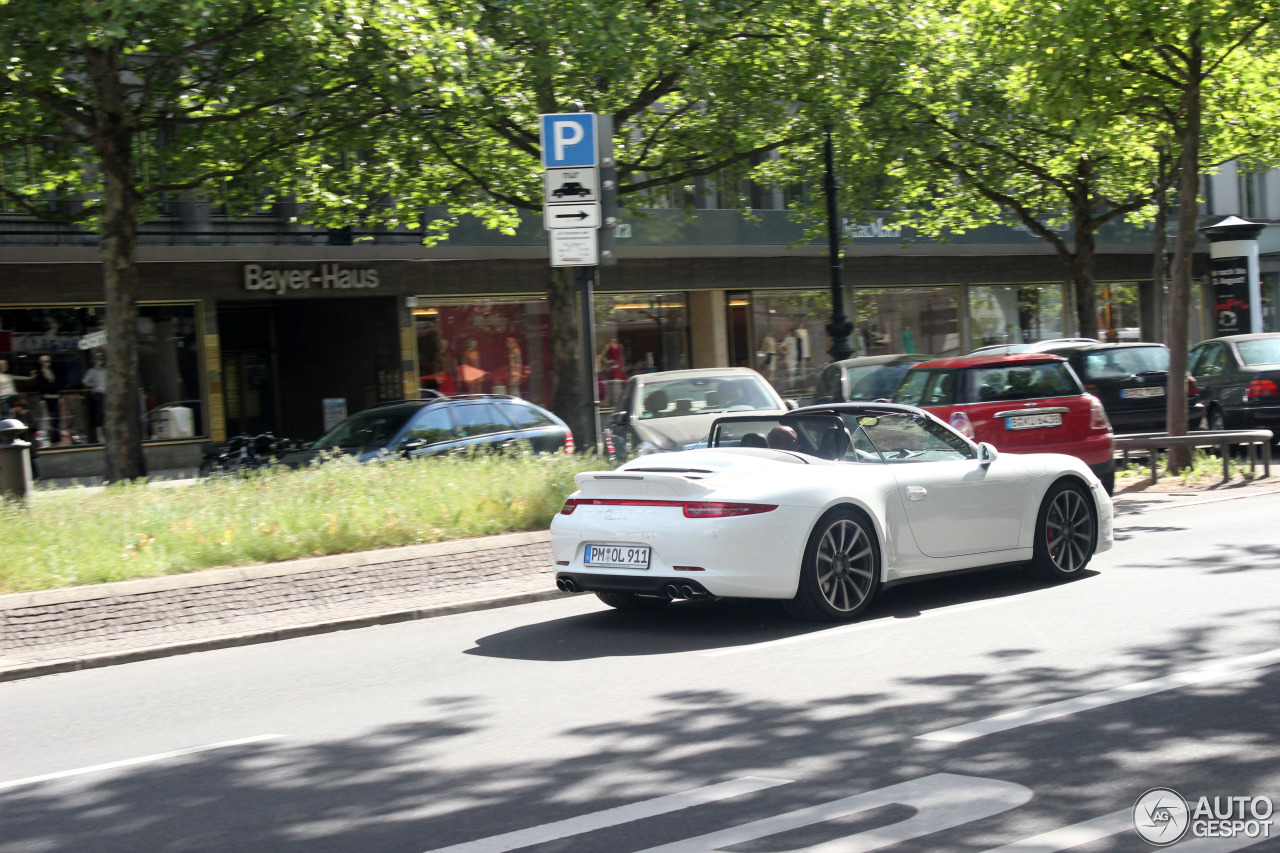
{"type": "Point", "coordinates": [1204, 72]}
{"type": "Point", "coordinates": [702, 93]}
{"type": "Point", "coordinates": [968, 142]}
{"type": "Point", "coordinates": [119, 102]}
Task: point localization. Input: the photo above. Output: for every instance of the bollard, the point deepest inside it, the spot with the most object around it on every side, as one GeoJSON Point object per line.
{"type": "Point", "coordinates": [15, 461]}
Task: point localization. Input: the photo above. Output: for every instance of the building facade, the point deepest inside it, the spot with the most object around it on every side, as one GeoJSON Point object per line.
{"type": "Point", "coordinates": [258, 325]}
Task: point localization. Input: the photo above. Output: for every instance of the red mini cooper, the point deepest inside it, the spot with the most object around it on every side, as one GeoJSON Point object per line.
{"type": "Point", "coordinates": [1029, 402]}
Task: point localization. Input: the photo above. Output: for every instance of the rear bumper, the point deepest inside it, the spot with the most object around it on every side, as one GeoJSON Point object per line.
{"type": "Point", "coordinates": [1149, 420]}
{"type": "Point", "coordinates": [638, 584]}
{"type": "Point", "coordinates": [1259, 417]}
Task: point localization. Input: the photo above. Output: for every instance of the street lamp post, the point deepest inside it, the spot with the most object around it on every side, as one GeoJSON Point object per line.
{"type": "Point", "coordinates": [839, 328]}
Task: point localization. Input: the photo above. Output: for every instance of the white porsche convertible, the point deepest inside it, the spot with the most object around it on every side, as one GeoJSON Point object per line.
{"type": "Point", "coordinates": [822, 508]}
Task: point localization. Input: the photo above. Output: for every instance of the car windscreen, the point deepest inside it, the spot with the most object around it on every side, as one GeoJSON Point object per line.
{"type": "Point", "coordinates": [1260, 351]}
{"type": "Point", "coordinates": [1020, 382]}
{"type": "Point", "coordinates": [1125, 361]}
{"type": "Point", "coordinates": [702, 395]}
{"type": "Point", "coordinates": [373, 428]}
{"type": "Point", "coordinates": [876, 381]}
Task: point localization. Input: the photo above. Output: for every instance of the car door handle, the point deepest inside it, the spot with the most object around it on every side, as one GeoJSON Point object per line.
{"type": "Point", "coordinates": [916, 493]}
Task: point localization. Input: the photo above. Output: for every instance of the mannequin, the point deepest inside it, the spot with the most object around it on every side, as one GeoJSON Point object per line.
{"type": "Point", "coordinates": [8, 387]}
{"type": "Point", "coordinates": [802, 348]}
{"type": "Point", "coordinates": [769, 356]}
{"type": "Point", "coordinates": [49, 386]}
{"type": "Point", "coordinates": [18, 409]}
{"type": "Point", "coordinates": [95, 379]}
{"type": "Point", "coordinates": [787, 352]}
{"type": "Point", "coordinates": [515, 367]}
{"type": "Point", "coordinates": [471, 358]}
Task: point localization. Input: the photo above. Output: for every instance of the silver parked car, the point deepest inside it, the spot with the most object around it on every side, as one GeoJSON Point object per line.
{"type": "Point", "coordinates": [673, 409]}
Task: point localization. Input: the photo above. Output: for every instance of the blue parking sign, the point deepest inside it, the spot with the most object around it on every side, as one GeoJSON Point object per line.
{"type": "Point", "coordinates": [568, 139]}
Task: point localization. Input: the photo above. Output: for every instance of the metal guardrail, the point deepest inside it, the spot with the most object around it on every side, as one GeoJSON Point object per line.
{"type": "Point", "coordinates": [1153, 443]}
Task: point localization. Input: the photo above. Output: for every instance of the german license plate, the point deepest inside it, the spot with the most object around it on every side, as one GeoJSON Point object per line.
{"type": "Point", "coordinates": [1033, 421]}
{"type": "Point", "coordinates": [618, 556]}
{"type": "Point", "coordinates": [1135, 393]}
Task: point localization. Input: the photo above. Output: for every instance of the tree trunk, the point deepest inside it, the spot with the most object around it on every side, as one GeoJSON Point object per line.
{"type": "Point", "coordinates": [1150, 322]}
{"type": "Point", "coordinates": [118, 250]}
{"type": "Point", "coordinates": [1184, 255]}
{"type": "Point", "coordinates": [568, 393]}
{"type": "Point", "coordinates": [1082, 265]}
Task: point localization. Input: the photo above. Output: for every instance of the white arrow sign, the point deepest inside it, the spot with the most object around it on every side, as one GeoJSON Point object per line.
{"type": "Point", "coordinates": [571, 216]}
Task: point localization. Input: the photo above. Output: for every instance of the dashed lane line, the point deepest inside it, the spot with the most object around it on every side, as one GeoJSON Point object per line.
{"type": "Point", "coordinates": [130, 762]}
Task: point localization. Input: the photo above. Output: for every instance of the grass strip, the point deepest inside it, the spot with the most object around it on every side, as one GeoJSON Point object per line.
{"type": "Point", "coordinates": [75, 536]}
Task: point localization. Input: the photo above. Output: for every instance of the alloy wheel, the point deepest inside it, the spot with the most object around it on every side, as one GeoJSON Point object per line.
{"type": "Point", "coordinates": [845, 565]}
{"type": "Point", "coordinates": [1068, 531]}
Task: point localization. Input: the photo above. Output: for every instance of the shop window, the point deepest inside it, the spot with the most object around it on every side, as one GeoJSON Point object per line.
{"type": "Point", "coordinates": [638, 333]}
{"type": "Point", "coordinates": [484, 346]}
{"type": "Point", "coordinates": [1118, 315]}
{"type": "Point", "coordinates": [895, 320]}
{"type": "Point", "coordinates": [1014, 314]}
{"type": "Point", "coordinates": [55, 358]}
{"type": "Point", "coordinates": [788, 330]}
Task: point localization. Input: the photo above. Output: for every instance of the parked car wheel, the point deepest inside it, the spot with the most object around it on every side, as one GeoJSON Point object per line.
{"type": "Point", "coordinates": [840, 574]}
{"type": "Point", "coordinates": [632, 603]}
{"type": "Point", "coordinates": [1066, 532]}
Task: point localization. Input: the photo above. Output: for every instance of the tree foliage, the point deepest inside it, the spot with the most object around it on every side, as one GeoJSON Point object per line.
{"type": "Point", "coordinates": [121, 103]}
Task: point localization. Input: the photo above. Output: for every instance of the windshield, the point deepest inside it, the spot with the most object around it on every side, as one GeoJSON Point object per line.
{"type": "Point", "coordinates": [1261, 351]}
{"type": "Point", "coordinates": [373, 428]}
{"type": "Point", "coordinates": [875, 381]}
{"type": "Point", "coordinates": [702, 395]}
{"type": "Point", "coordinates": [1126, 361]}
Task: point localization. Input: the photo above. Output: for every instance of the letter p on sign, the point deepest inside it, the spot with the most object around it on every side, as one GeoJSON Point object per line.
{"type": "Point", "coordinates": [568, 140]}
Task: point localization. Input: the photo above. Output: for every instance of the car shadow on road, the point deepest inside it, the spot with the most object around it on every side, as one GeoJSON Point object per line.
{"type": "Point", "coordinates": [730, 623]}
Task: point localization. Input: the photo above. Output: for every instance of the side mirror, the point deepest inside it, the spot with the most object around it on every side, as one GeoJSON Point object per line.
{"type": "Point", "coordinates": [618, 419]}
{"type": "Point", "coordinates": [987, 454]}
{"type": "Point", "coordinates": [413, 444]}
{"type": "Point", "coordinates": [791, 404]}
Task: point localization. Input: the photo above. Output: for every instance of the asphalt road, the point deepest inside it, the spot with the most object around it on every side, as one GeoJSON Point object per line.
{"type": "Point", "coordinates": [962, 714]}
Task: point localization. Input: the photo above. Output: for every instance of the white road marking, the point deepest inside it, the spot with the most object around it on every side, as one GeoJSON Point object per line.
{"type": "Point", "coordinates": [940, 802]}
{"type": "Point", "coordinates": [864, 626]}
{"type": "Point", "coordinates": [1027, 716]}
{"type": "Point", "coordinates": [130, 762]}
{"type": "Point", "coordinates": [615, 816]}
{"type": "Point", "coordinates": [1066, 837]}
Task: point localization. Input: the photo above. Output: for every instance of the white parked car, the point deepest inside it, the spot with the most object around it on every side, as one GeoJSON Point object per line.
{"type": "Point", "coordinates": [822, 508]}
{"type": "Point", "coordinates": [675, 408]}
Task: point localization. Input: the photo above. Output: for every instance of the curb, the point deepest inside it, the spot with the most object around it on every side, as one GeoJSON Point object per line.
{"type": "Point", "coordinates": [53, 667]}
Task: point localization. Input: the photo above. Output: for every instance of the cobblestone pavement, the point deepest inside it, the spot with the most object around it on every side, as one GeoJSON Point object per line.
{"type": "Point", "coordinates": [83, 627]}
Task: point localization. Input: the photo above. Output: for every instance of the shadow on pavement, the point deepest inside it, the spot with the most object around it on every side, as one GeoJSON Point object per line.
{"type": "Point", "coordinates": [707, 625]}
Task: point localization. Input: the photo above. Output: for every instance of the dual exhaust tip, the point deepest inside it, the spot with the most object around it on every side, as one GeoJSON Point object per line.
{"type": "Point", "coordinates": [678, 591]}
{"type": "Point", "coordinates": [672, 591]}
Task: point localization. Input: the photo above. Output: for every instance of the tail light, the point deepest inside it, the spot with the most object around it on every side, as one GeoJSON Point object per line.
{"type": "Point", "coordinates": [692, 509]}
{"type": "Point", "coordinates": [715, 509]}
{"type": "Point", "coordinates": [960, 421]}
{"type": "Point", "coordinates": [1097, 415]}
{"type": "Point", "coordinates": [1260, 389]}
{"type": "Point", "coordinates": [1193, 390]}
{"type": "Point", "coordinates": [568, 442]}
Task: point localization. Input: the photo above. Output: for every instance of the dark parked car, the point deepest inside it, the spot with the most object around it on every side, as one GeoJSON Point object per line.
{"type": "Point", "coordinates": [1131, 380]}
{"type": "Point", "coordinates": [430, 427]}
{"type": "Point", "coordinates": [1239, 381]}
{"type": "Point", "coordinates": [872, 377]}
